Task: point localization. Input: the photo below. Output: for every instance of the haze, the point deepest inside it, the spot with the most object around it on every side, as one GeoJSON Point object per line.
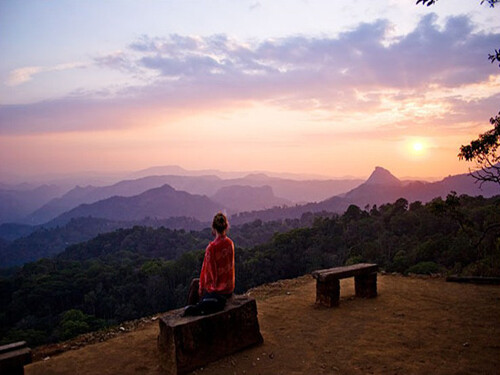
{"type": "Point", "coordinates": [316, 87]}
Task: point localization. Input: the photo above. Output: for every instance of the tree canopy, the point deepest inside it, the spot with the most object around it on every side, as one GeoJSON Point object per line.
{"type": "Point", "coordinates": [140, 271]}
{"type": "Point", "coordinates": [430, 2]}
{"type": "Point", "coordinates": [484, 152]}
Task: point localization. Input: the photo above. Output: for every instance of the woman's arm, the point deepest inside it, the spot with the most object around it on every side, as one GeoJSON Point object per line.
{"type": "Point", "coordinates": [208, 277]}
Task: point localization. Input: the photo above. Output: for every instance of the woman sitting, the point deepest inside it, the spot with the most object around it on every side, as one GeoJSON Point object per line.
{"type": "Point", "coordinates": [209, 293]}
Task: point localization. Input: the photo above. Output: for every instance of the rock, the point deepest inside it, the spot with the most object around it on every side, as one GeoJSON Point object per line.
{"type": "Point", "coordinates": [187, 343]}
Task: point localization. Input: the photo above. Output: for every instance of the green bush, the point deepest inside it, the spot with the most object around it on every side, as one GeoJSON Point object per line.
{"type": "Point", "coordinates": [354, 260]}
{"type": "Point", "coordinates": [424, 268]}
{"type": "Point", "coordinates": [400, 262]}
{"type": "Point", "coordinates": [75, 322]}
{"type": "Point", "coordinates": [31, 336]}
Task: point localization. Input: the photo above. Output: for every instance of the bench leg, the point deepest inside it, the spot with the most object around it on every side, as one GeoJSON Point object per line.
{"type": "Point", "coordinates": [328, 294]}
{"type": "Point", "coordinates": [366, 285]}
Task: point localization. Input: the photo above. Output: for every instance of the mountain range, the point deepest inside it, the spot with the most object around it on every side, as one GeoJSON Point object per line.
{"type": "Point", "coordinates": [381, 187]}
{"type": "Point", "coordinates": [162, 202]}
{"type": "Point", "coordinates": [18, 201]}
{"type": "Point", "coordinates": [251, 196]}
{"type": "Point", "coordinates": [284, 191]}
{"type": "Point", "coordinates": [174, 208]}
{"type": "Point", "coordinates": [248, 198]}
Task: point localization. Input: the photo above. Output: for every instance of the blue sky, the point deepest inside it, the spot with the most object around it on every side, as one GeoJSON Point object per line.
{"type": "Point", "coordinates": [289, 85]}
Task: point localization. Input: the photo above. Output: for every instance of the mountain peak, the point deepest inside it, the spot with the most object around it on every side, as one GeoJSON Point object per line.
{"type": "Point", "coordinates": [382, 176]}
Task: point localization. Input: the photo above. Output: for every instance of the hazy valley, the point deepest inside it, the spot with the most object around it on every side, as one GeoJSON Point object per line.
{"type": "Point", "coordinates": [126, 250]}
{"type": "Point", "coordinates": [189, 201]}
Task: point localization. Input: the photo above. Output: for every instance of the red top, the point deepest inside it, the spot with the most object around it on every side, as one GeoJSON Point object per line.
{"type": "Point", "coordinates": [217, 272]}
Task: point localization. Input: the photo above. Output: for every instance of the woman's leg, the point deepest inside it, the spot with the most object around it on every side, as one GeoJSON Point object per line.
{"type": "Point", "coordinates": [209, 304]}
{"type": "Point", "coordinates": [193, 296]}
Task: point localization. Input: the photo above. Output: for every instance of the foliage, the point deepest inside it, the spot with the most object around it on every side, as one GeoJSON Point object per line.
{"type": "Point", "coordinates": [495, 57]}
{"type": "Point", "coordinates": [430, 2]}
{"type": "Point", "coordinates": [354, 260]}
{"type": "Point", "coordinates": [74, 322]}
{"type": "Point", "coordinates": [46, 242]}
{"type": "Point", "coordinates": [141, 271]}
{"type": "Point", "coordinates": [484, 152]}
{"type": "Point", "coordinates": [424, 268]}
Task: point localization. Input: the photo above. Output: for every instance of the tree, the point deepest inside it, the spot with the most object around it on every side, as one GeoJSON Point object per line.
{"type": "Point", "coordinates": [430, 2]}
{"type": "Point", "coordinates": [483, 151]}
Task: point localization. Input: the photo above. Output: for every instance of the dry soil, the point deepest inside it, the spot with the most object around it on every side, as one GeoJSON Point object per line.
{"type": "Point", "coordinates": [414, 326]}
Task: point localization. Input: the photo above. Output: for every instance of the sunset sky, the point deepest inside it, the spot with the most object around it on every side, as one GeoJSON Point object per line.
{"type": "Point", "coordinates": [307, 86]}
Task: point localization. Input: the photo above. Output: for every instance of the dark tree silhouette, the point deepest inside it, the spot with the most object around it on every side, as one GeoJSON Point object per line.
{"type": "Point", "coordinates": [430, 2]}
{"type": "Point", "coordinates": [483, 151]}
{"type": "Point", "coordinates": [494, 57]}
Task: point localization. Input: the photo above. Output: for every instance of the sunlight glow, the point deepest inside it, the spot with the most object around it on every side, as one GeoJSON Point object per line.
{"type": "Point", "coordinates": [418, 147]}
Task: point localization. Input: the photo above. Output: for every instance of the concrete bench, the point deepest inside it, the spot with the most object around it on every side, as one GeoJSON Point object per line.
{"type": "Point", "coordinates": [186, 343]}
{"type": "Point", "coordinates": [328, 284]}
{"type": "Point", "coordinates": [13, 357]}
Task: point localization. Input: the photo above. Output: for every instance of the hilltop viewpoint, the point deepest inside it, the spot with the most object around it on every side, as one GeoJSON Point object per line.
{"type": "Point", "coordinates": [416, 325]}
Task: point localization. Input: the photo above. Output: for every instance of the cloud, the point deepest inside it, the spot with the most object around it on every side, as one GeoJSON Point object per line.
{"type": "Point", "coordinates": [25, 74]}
{"type": "Point", "coordinates": [22, 75]}
{"type": "Point", "coordinates": [361, 71]}
{"type": "Point", "coordinates": [358, 58]}
{"type": "Point", "coordinates": [115, 60]}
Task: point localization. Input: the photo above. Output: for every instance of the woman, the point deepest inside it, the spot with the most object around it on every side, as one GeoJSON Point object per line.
{"type": "Point", "coordinates": [210, 292]}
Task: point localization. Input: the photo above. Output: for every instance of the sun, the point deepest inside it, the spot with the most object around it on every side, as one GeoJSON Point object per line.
{"type": "Point", "coordinates": [418, 147]}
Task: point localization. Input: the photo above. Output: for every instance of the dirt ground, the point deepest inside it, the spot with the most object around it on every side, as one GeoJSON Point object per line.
{"type": "Point", "coordinates": [414, 326]}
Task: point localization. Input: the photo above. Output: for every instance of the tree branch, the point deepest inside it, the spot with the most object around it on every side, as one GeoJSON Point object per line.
{"type": "Point", "coordinates": [492, 226]}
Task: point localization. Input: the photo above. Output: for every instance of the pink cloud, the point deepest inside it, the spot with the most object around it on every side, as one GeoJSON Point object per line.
{"type": "Point", "coordinates": [25, 74]}
{"type": "Point", "coordinates": [298, 72]}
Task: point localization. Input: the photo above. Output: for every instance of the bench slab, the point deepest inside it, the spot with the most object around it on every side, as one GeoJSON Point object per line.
{"type": "Point", "coordinates": [12, 346]}
{"type": "Point", "coordinates": [186, 343]}
{"type": "Point", "coordinates": [343, 272]}
{"type": "Point", "coordinates": [328, 284]}
{"type": "Point", "coordinates": [13, 357]}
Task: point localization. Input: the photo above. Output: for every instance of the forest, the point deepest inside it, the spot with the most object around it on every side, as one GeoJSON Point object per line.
{"type": "Point", "coordinates": [140, 271]}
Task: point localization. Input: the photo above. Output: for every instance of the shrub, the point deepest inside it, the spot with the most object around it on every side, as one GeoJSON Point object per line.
{"type": "Point", "coordinates": [354, 260]}
{"type": "Point", "coordinates": [424, 268]}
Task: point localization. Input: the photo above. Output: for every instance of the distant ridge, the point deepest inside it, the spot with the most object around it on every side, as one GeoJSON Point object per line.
{"type": "Point", "coordinates": [248, 198]}
{"type": "Point", "coordinates": [163, 202]}
{"type": "Point", "coordinates": [286, 189]}
{"type": "Point", "coordinates": [16, 204]}
{"type": "Point", "coordinates": [380, 188]}
{"type": "Point", "coordinates": [180, 171]}
{"type": "Point", "coordinates": [126, 188]}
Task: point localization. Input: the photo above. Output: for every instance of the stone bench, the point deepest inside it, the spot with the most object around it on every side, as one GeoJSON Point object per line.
{"type": "Point", "coordinates": [13, 357]}
{"type": "Point", "coordinates": [328, 284]}
{"type": "Point", "coordinates": [186, 343]}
